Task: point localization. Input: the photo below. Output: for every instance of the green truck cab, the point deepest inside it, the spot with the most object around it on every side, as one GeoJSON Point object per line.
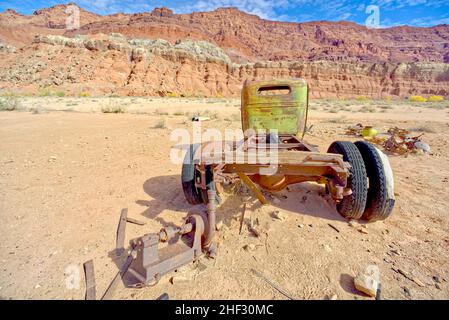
{"type": "Point", "coordinates": [281, 105]}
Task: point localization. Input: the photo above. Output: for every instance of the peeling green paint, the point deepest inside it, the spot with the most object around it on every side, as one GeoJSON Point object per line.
{"type": "Point", "coordinates": [286, 112]}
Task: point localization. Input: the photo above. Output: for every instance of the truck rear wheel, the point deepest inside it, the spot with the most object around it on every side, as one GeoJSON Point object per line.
{"type": "Point", "coordinates": [191, 192]}
{"type": "Point", "coordinates": [380, 200]}
{"type": "Point", "coordinates": [352, 206]}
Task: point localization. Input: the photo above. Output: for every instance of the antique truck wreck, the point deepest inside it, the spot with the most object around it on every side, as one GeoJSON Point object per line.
{"type": "Point", "coordinates": [271, 156]}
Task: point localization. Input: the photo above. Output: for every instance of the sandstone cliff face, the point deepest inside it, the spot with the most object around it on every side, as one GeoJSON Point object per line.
{"type": "Point", "coordinates": [115, 65]}
{"type": "Point", "coordinates": [246, 37]}
{"type": "Point", "coordinates": [218, 50]}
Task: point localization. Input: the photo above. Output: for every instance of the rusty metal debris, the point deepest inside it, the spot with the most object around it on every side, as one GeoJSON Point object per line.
{"type": "Point", "coordinates": [120, 236]}
{"type": "Point", "coordinates": [151, 262]}
{"type": "Point", "coordinates": [355, 130]}
{"type": "Point", "coordinates": [89, 275]}
{"type": "Point", "coordinates": [242, 218]}
{"type": "Point", "coordinates": [274, 285]}
{"type": "Point", "coordinates": [401, 141]}
{"type": "Point", "coordinates": [396, 140]}
{"type": "Point", "coordinates": [123, 269]}
{"type": "Point", "coordinates": [288, 160]}
{"type": "Point", "coordinates": [195, 235]}
{"type": "Point", "coordinates": [135, 221]}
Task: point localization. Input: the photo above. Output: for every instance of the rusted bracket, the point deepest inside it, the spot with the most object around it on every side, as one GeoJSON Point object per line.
{"type": "Point", "coordinates": [120, 239]}
{"type": "Point", "coordinates": [253, 187]}
{"type": "Point", "coordinates": [151, 262]}
{"type": "Point", "coordinates": [90, 280]}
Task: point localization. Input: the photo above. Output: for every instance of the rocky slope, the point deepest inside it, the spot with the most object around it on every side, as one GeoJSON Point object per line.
{"type": "Point", "coordinates": [218, 50]}
{"type": "Point", "coordinates": [196, 68]}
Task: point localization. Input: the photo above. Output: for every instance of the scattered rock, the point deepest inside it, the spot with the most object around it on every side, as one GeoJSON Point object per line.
{"type": "Point", "coordinates": [396, 252]}
{"type": "Point", "coordinates": [437, 285]}
{"type": "Point", "coordinates": [301, 226]}
{"type": "Point", "coordinates": [363, 230]}
{"type": "Point", "coordinates": [366, 284]}
{"type": "Point", "coordinates": [353, 223]}
{"type": "Point", "coordinates": [418, 282]}
{"type": "Point", "coordinates": [219, 226]}
{"type": "Point", "coordinates": [249, 247]}
{"type": "Point", "coordinates": [180, 279]}
{"type": "Point", "coordinates": [52, 159]}
{"type": "Point", "coordinates": [37, 286]}
{"type": "Point", "coordinates": [331, 297]}
{"type": "Point", "coordinates": [422, 146]}
{"type": "Point", "coordinates": [436, 279]}
{"type": "Point", "coordinates": [279, 215]}
{"type": "Point", "coordinates": [388, 260]}
{"type": "Point", "coordinates": [407, 291]}
{"type": "Point", "coordinates": [255, 231]}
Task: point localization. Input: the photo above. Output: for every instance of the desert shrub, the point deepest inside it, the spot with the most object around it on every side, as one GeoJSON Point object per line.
{"type": "Point", "coordinates": [9, 94]}
{"type": "Point", "coordinates": [178, 113]}
{"type": "Point", "coordinates": [368, 109]}
{"type": "Point", "coordinates": [208, 113]}
{"type": "Point", "coordinates": [44, 92]}
{"type": "Point", "coordinates": [172, 95]}
{"type": "Point", "coordinates": [423, 128]}
{"type": "Point", "coordinates": [159, 112]}
{"type": "Point", "coordinates": [160, 124]}
{"type": "Point", "coordinates": [36, 109]}
{"type": "Point", "coordinates": [113, 108]}
{"type": "Point", "coordinates": [9, 104]}
{"type": "Point", "coordinates": [435, 98]}
{"type": "Point", "coordinates": [417, 99]}
{"type": "Point", "coordinates": [60, 94]}
{"type": "Point", "coordinates": [362, 98]}
{"type": "Point", "coordinates": [84, 94]}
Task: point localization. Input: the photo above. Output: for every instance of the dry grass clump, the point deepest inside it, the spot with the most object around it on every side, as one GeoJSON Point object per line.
{"type": "Point", "coordinates": [160, 124]}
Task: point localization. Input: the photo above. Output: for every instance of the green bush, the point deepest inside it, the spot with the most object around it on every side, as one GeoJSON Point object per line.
{"type": "Point", "coordinates": [9, 104]}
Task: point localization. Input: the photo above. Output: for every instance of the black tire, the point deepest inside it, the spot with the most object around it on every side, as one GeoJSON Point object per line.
{"type": "Point", "coordinates": [191, 192]}
{"type": "Point", "coordinates": [353, 205]}
{"type": "Point", "coordinates": [379, 203]}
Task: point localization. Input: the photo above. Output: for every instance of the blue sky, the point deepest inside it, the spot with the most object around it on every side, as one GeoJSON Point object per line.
{"type": "Point", "coordinates": [391, 12]}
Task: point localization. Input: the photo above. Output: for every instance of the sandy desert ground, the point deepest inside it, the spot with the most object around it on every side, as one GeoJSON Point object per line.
{"type": "Point", "coordinates": [67, 169]}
